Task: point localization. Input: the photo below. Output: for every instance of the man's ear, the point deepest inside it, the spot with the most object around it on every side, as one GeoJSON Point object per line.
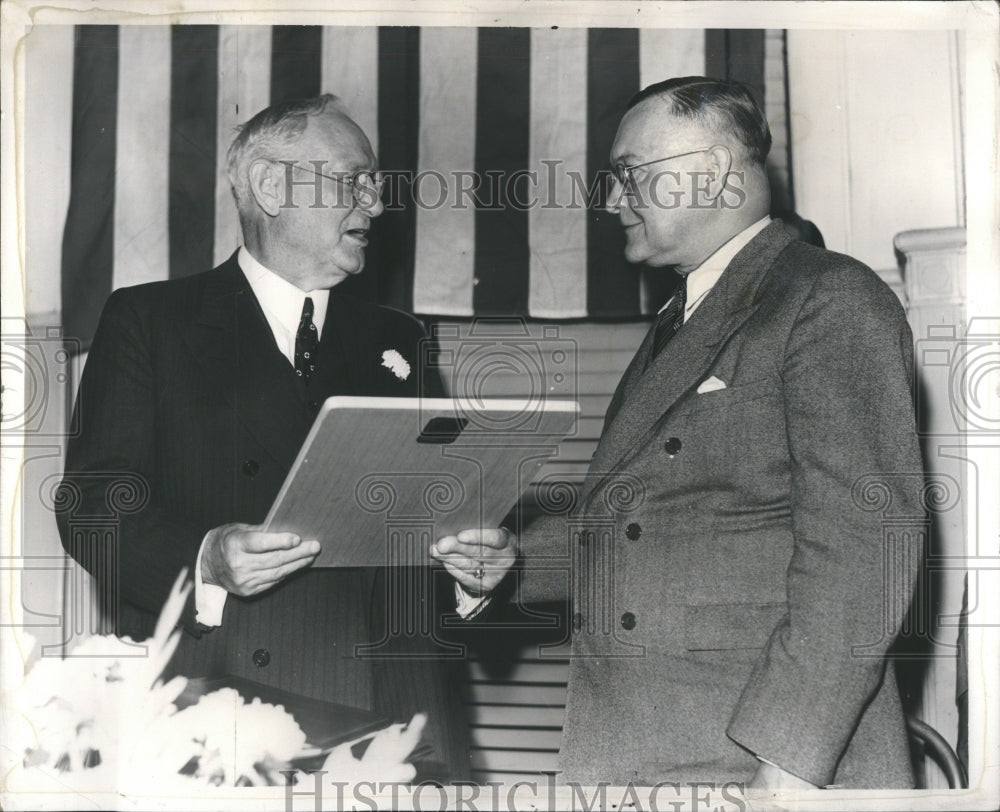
{"type": "Point", "coordinates": [267, 186]}
{"type": "Point", "coordinates": [720, 162]}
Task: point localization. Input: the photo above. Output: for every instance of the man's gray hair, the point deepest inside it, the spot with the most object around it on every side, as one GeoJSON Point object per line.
{"type": "Point", "coordinates": [723, 106]}
{"type": "Point", "coordinates": [268, 135]}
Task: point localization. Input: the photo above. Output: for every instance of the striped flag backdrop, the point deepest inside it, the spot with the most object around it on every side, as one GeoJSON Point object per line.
{"type": "Point", "coordinates": [154, 107]}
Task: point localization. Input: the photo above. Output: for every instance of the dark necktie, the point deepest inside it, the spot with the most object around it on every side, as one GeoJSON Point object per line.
{"type": "Point", "coordinates": [306, 341]}
{"type": "Point", "coordinates": [669, 321]}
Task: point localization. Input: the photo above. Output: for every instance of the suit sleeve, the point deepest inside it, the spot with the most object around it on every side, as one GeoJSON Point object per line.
{"type": "Point", "coordinates": [543, 570]}
{"type": "Point", "coordinates": [109, 470]}
{"type": "Point", "coordinates": [846, 378]}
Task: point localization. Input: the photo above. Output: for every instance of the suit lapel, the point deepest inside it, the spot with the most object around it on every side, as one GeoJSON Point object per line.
{"type": "Point", "coordinates": [233, 343]}
{"type": "Point", "coordinates": [632, 374]}
{"type": "Point", "coordinates": [648, 396]}
{"type": "Point", "coordinates": [344, 350]}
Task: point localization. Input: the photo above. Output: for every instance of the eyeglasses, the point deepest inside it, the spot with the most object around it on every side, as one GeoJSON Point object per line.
{"type": "Point", "coordinates": [623, 173]}
{"type": "Point", "coordinates": [365, 184]}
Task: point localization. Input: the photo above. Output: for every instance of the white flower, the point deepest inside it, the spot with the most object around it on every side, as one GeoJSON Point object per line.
{"type": "Point", "coordinates": [103, 720]}
{"type": "Point", "coordinates": [385, 757]}
{"type": "Point", "coordinates": [395, 362]}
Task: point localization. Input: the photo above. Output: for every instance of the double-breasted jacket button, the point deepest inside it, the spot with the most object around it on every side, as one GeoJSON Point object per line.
{"type": "Point", "coordinates": [577, 621]}
{"type": "Point", "coordinates": [672, 446]}
{"type": "Point", "coordinates": [261, 657]}
{"type": "Point", "coordinates": [633, 531]}
{"type": "Point", "coordinates": [251, 467]}
{"type": "Point", "coordinates": [628, 621]}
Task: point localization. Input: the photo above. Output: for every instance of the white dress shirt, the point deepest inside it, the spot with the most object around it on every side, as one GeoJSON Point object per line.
{"type": "Point", "coordinates": [703, 278]}
{"type": "Point", "coordinates": [282, 304]}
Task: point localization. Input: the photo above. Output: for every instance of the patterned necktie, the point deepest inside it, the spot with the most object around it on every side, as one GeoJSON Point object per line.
{"type": "Point", "coordinates": [669, 321]}
{"type": "Point", "coordinates": [306, 341]}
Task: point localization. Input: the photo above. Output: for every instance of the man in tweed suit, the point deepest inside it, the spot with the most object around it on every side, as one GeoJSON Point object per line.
{"type": "Point", "coordinates": [733, 598]}
{"type": "Point", "coordinates": [203, 388]}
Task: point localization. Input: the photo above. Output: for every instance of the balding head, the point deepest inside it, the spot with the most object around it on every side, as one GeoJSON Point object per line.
{"type": "Point", "coordinates": [725, 110]}
{"type": "Point", "coordinates": [273, 134]}
{"type": "Point", "coordinates": [689, 171]}
{"type": "Point", "coordinates": [303, 175]}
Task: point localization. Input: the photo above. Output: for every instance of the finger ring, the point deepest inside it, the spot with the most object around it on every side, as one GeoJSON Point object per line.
{"type": "Point", "coordinates": [479, 572]}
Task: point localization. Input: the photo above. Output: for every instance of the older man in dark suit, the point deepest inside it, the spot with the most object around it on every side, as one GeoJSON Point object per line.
{"type": "Point", "coordinates": [734, 591]}
{"type": "Point", "coordinates": [203, 388]}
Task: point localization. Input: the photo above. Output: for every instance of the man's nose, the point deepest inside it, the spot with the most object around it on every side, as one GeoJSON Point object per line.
{"type": "Point", "coordinates": [370, 203]}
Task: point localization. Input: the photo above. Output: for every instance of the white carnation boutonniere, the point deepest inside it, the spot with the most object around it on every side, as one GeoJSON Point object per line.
{"type": "Point", "coordinates": [396, 364]}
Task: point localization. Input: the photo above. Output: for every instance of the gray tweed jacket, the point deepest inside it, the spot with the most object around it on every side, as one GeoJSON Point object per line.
{"type": "Point", "coordinates": [740, 559]}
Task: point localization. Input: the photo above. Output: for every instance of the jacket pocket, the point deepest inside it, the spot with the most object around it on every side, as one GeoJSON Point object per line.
{"type": "Point", "coordinates": [730, 396]}
{"type": "Point", "coordinates": [729, 626]}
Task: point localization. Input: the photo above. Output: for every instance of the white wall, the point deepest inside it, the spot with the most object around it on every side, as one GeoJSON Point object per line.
{"type": "Point", "coordinates": [48, 104]}
{"type": "Point", "coordinates": [876, 135]}
{"type": "Point", "coordinates": [46, 143]}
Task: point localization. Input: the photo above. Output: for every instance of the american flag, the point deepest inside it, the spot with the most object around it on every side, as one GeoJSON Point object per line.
{"type": "Point", "coordinates": [154, 109]}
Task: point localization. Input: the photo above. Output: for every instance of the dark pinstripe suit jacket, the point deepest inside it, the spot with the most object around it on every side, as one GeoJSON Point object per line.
{"type": "Point", "coordinates": [185, 390]}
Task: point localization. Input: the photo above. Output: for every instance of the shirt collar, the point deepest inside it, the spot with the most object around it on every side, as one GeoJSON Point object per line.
{"type": "Point", "coordinates": [703, 278]}
{"type": "Point", "coordinates": [278, 297]}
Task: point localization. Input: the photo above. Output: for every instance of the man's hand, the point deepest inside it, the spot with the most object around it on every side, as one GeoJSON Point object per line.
{"type": "Point", "coordinates": [245, 560]}
{"type": "Point", "coordinates": [477, 559]}
{"type": "Point", "coordinates": [771, 777]}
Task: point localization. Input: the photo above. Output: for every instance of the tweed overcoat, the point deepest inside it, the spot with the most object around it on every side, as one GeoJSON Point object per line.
{"type": "Point", "coordinates": [732, 563]}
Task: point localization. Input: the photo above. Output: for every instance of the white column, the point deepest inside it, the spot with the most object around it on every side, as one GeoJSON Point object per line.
{"type": "Point", "coordinates": [934, 277]}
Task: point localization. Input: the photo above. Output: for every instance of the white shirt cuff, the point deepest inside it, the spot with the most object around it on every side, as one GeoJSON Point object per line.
{"type": "Point", "coordinates": [467, 605]}
{"type": "Point", "coordinates": [209, 599]}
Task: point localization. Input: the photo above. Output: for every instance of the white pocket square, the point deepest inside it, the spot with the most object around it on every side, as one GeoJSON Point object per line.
{"type": "Point", "coordinates": [711, 385]}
